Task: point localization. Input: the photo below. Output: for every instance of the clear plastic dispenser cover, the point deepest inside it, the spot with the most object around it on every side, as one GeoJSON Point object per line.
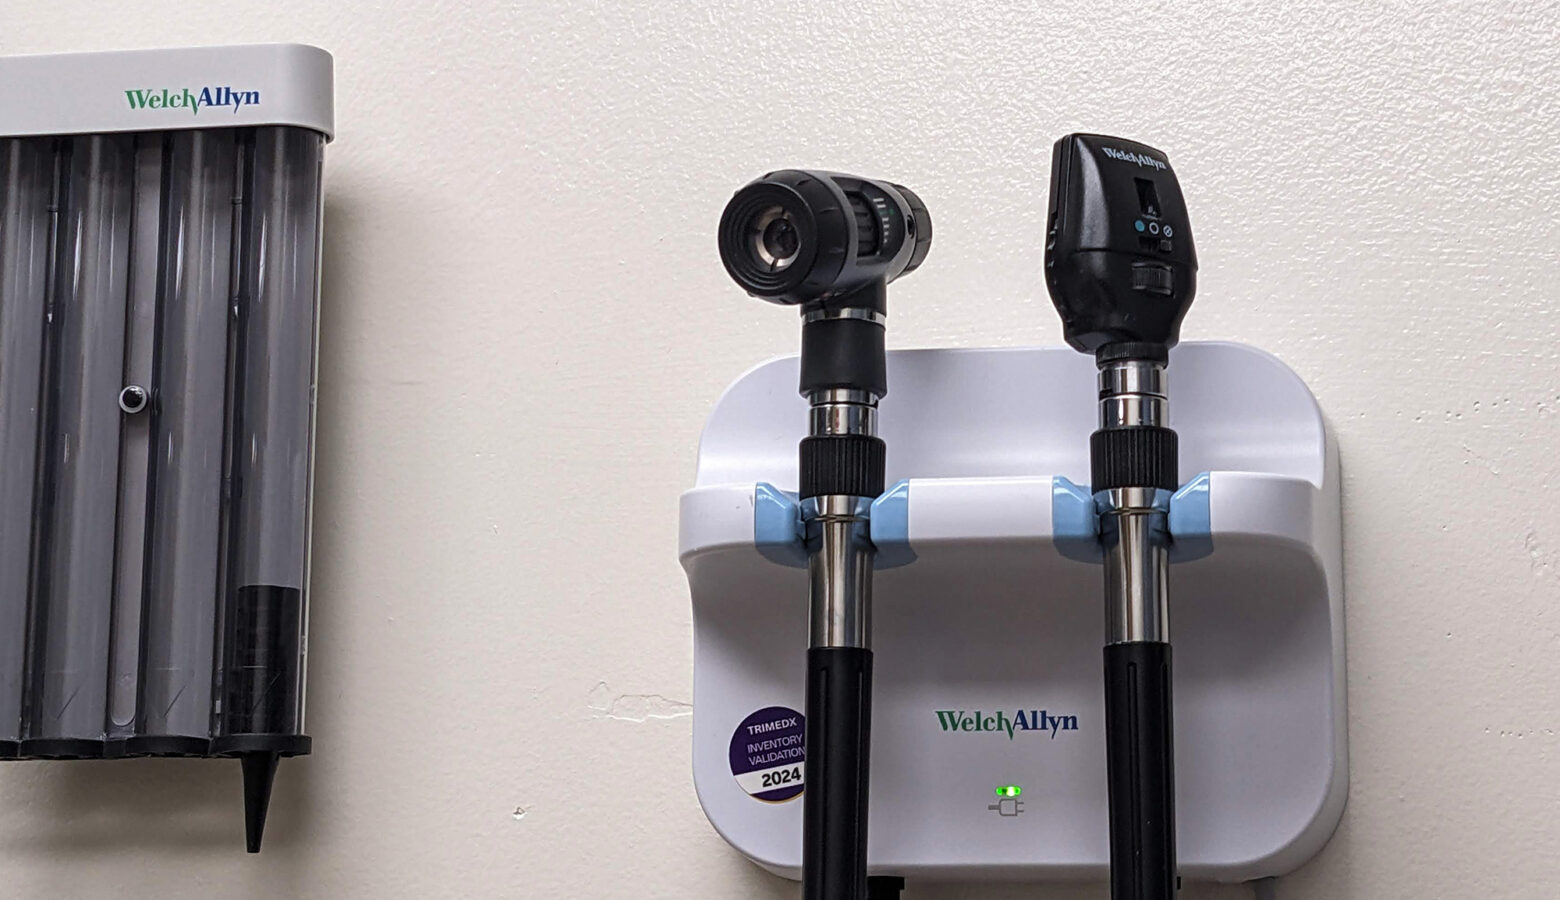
{"type": "Point", "coordinates": [26, 230]}
{"type": "Point", "coordinates": [273, 424]}
{"type": "Point", "coordinates": [186, 502]}
{"type": "Point", "coordinates": [75, 591]}
{"type": "Point", "coordinates": [158, 304]}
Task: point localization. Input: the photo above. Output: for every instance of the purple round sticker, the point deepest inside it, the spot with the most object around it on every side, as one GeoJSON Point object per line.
{"type": "Point", "coordinates": [767, 754]}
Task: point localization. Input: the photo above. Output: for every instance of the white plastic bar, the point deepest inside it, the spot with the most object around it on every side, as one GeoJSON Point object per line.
{"type": "Point", "coordinates": [167, 90]}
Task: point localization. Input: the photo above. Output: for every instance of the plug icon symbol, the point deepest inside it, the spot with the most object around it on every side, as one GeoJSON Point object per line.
{"type": "Point", "coordinates": [1008, 807]}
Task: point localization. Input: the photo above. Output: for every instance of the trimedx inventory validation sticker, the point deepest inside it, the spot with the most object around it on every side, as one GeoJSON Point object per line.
{"type": "Point", "coordinates": [767, 754]}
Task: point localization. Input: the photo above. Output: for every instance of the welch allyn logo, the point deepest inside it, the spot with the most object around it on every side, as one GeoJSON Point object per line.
{"type": "Point", "coordinates": [1021, 720]}
{"type": "Point", "coordinates": [1139, 158]}
{"type": "Point", "coordinates": [188, 98]}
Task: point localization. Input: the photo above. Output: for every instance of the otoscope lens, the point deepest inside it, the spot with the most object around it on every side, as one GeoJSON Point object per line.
{"type": "Point", "coordinates": [776, 239]}
{"type": "Point", "coordinates": [780, 239]}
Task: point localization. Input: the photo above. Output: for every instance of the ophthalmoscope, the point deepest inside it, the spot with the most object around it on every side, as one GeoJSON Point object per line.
{"type": "Point", "coordinates": [1121, 270]}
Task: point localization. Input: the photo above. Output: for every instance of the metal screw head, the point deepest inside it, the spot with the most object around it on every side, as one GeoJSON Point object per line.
{"type": "Point", "coordinates": [134, 399]}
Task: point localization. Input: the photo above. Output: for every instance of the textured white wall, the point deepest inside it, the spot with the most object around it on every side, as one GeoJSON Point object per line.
{"type": "Point", "coordinates": [526, 322]}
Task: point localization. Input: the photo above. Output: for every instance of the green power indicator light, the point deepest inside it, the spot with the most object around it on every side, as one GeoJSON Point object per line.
{"type": "Point", "coordinates": [1139, 225]}
{"type": "Point", "coordinates": [1009, 790]}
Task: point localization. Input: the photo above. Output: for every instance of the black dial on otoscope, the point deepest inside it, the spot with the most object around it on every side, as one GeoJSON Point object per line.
{"type": "Point", "coordinates": [796, 236]}
{"type": "Point", "coordinates": [1119, 260]}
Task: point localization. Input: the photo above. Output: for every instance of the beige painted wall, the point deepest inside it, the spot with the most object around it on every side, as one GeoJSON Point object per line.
{"type": "Point", "coordinates": [525, 323]}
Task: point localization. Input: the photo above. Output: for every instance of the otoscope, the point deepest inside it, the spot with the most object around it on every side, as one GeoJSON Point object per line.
{"type": "Point", "coordinates": [1121, 270]}
{"type": "Point", "coordinates": [830, 244]}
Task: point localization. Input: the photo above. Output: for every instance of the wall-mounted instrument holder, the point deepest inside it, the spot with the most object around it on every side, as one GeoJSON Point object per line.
{"type": "Point", "coordinates": [987, 752]}
{"type": "Point", "coordinates": [160, 222]}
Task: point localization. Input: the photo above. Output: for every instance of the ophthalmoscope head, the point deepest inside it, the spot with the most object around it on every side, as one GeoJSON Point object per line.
{"type": "Point", "coordinates": [1119, 260]}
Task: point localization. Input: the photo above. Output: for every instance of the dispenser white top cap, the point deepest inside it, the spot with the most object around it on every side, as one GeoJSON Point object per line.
{"type": "Point", "coordinates": [165, 90]}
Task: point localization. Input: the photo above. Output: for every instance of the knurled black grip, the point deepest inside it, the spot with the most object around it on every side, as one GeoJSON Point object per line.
{"type": "Point", "coordinates": [834, 801]}
{"type": "Point", "coordinates": [1143, 456]}
{"type": "Point", "coordinates": [844, 464]}
{"type": "Point", "coordinates": [1140, 762]}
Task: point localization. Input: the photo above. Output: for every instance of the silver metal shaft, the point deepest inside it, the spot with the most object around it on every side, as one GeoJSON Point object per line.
{"type": "Point", "coordinates": [839, 569]}
{"type": "Point", "coordinates": [840, 551]}
{"type": "Point", "coordinates": [1136, 566]}
{"type": "Point", "coordinates": [1132, 526]}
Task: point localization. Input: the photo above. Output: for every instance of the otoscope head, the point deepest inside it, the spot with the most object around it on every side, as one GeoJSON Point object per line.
{"type": "Point", "coordinates": [1119, 260]}
{"type": "Point", "coordinates": [795, 237]}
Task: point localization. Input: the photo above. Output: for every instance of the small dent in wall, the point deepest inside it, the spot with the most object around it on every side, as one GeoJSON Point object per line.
{"type": "Point", "coordinates": [1539, 556]}
{"type": "Point", "coordinates": [604, 704]}
{"type": "Point", "coordinates": [1521, 732]}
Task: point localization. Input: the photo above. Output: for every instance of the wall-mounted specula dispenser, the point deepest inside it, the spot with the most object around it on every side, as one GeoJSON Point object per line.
{"type": "Point", "coordinates": [159, 284]}
{"type": "Point", "coordinates": [989, 717]}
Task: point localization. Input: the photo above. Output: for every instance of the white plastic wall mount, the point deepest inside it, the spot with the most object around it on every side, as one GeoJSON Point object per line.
{"type": "Point", "coordinates": [987, 645]}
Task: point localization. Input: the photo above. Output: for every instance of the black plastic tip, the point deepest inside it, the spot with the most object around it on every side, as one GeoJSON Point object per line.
{"type": "Point", "coordinates": [259, 775]}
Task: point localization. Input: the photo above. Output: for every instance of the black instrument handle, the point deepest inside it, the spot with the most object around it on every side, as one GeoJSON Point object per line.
{"type": "Point", "coordinates": [839, 714]}
{"type": "Point", "coordinates": [1141, 764]}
